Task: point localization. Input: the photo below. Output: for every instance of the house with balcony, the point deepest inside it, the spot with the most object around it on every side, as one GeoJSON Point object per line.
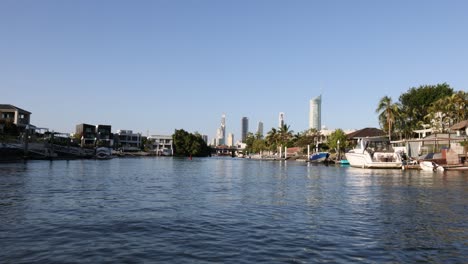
{"type": "Point", "coordinates": [15, 115]}
{"type": "Point", "coordinates": [162, 145]}
{"type": "Point", "coordinates": [92, 136]}
{"type": "Point", "coordinates": [126, 140]}
{"type": "Point", "coordinates": [87, 134]}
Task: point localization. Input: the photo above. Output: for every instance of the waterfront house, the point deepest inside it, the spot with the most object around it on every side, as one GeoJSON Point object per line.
{"type": "Point", "coordinates": [162, 145]}
{"type": "Point", "coordinates": [12, 114]}
{"type": "Point", "coordinates": [460, 128]}
{"type": "Point", "coordinates": [126, 140]}
{"type": "Point", "coordinates": [104, 135]}
{"type": "Point", "coordinates": [363, 133]}
{"type": "Point", "coordinates": [87, 134]}
{"type": "Point", "coordinates": [92, 135]}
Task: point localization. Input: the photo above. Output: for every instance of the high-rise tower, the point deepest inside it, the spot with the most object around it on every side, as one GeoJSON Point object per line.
{"type": "Point", "coordinates": [315, 113]}
{"type": "Point", "coordinates": [281, 120]}
{"type": "Point", "coordinates": [244, 128]}
{"type": "Point", "coordinates": [260, 128]}
{"type": "Point", "coordinates": [221, 132]}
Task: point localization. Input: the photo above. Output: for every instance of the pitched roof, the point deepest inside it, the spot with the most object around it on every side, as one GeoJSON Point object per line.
{"type": "Point", "coordinates": [460, 125]}
{"type": "Point", "coordinates": [366, 132]}
{"type": "Point", "coordinates": [12, 107]}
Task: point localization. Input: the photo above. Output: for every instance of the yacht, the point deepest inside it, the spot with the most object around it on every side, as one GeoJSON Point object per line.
{"type": "Point", "coordinates": [374, 152]}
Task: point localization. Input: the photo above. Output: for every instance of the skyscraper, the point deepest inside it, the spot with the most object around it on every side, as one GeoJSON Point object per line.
{"type": "Point", "coordinates": [281, 119]}
{"type": "Point", "coordinates": [315, 113]}
{"type": "Point", "coordinates": [244, 128]}
{"type": "Point", "coordinates": [230, 140]}
{"type": "Point", "coordinates": [221, 132]}
{"type": "Point", "coordinates": [260, 128]}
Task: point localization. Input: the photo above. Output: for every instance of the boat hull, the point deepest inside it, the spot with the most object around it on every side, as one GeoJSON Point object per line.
{"type": "Point", "coordinates": [363, 160]}
{"type": "Point", "coordinates": [319, 157]}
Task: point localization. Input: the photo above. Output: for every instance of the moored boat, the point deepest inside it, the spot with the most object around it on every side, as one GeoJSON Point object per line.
{"type": "Point", "coordinates": [430, 166]}
{"type": "Point", "coordinates": [103, 153]}
{"type": "Point", "coordinates": [374, 152]}
{"type": "Point", "coordinates": [319, 157]}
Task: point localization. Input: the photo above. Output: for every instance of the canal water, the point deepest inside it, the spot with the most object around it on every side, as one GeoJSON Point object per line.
{"type": "Point", "coordinates": [225, 210]}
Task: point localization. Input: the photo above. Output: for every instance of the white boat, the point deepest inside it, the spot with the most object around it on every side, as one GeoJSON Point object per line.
{"type": "Point", "coordinates": [103, 153]}
{"type": "Point", "coordinates": [430, 166]}
{"type": "Point", "coordinates": [374, 152]}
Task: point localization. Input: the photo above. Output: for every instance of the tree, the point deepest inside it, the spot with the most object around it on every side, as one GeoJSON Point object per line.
{"type": "Point", "coordinates": [308, 137]}
{"type": "Point", "coordinates": [389, 113]}
{"type": "Point", "coordinates": [272, 139]}
{"type": "Point", "coordinates": [447, 111]}
{"type": "Point", "coordinates": [9, 128]}
{"type": "Point", "coordinates": [416, 102]}
{"type": "Point", "coordinates": [340, 135]}
{"type": "Point", "coordinates": [188, 144]}
{"type": "Point", "coordinates": [284, 135]}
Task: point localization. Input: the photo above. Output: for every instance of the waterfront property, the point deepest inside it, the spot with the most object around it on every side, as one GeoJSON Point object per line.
{"type": "Point", "coordinates": [126, 140]}
{"type": "Point", "coordinates": [86, 133]}
{"type": "Point", "coordinates": [90, 135]}
{"type": "Point", "coordinates": [15, 115]}
{"type": "Point", "coordinates": [162, 145]}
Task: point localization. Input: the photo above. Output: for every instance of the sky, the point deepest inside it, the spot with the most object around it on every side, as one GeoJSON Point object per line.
{"type": "Point", "coordinates": [155, 66]}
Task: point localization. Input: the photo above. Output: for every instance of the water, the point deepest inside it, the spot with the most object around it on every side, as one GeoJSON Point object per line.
{"type": "Point", "coordinates": [223, 210]}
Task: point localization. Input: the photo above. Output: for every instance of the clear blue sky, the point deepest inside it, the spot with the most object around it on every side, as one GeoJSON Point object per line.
{"type": "Point", "coordinates": [160, 65]}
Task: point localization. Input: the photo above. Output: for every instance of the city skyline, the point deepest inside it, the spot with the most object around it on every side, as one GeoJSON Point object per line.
{"type": "Point", "coordinates": [156, 66]}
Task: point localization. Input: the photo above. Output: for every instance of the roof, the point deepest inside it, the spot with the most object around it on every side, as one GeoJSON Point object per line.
{"type": "Point", "coordinates": [366, 132]}
{"type": "Point", "coordinates": [461, 125]}
{"type": "Point", "coordinates": [12, 107]}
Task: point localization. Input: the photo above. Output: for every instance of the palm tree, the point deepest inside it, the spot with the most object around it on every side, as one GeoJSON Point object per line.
{"type": "Point", "coordinates": [272, 138]}
{"type": "Point", "coordinates": [460, 100]}
{"type": "Point", "coordinates": [285, 135]}
{"type": "Point", "coordinates": [388, 113]}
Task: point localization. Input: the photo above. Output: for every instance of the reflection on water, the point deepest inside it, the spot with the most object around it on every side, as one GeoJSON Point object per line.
{"type": "Point", "coordinates": [228, 210]}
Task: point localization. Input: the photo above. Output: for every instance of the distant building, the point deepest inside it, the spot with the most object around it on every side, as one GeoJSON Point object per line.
{"type": "Point", "coordinates": [15, 115]}
{"type": "Point", "coordinates": [126, 140]}
{"type": "Point", "coordinates": [244, 128]}
{"type": "Point", "coordinates": [221, 132]}
{"type": "Point", "coordinates": [315, 113]}
{"type": "Point", "coordinates": [230, 140]}
{"type": "Point", "coordinates": [87, 134]}
{"type": "Point", "coordinates": [260, 129]}
{"type": "Point", "coordinates": [95, 135]}
{"type": "Point", "coordinates": [162, 145]}
{"type": "Point", "coordinates": [104, 135]}
{"type": "Point", "coordinates": [205, 138]}
{"type": "Point", "coordinates": [281, 119]}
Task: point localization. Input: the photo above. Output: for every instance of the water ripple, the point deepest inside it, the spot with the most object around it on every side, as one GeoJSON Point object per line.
{"type": "Point", "coordinates": [228, 211]}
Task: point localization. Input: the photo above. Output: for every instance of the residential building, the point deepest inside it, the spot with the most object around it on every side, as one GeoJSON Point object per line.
{"type": "Point", "coordinates": [87, 134]}
{"type": "Point", "coordinates": [461, 128]}
{"type": "Point", "coordinates": [92, 135]}
{"type": "Point", "coordinates": [315, 113]}
{"type": "Point", "coordinates": [281, 120]}
{"type": "Point", "coordinates": [104, 135]}
{"type": "Point", "coordinates": [244, 128]}
{"type": "Point", "coordinates": [15, 115]}
{"type": "Point", "coordinates": [126, 140]}
{"type": "Point", "coordinates": [162, 145]}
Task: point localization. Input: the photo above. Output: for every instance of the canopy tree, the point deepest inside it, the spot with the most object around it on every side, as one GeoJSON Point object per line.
{"type": "Point", "coordinates": [188, 144]}
{"type": "Point", "coordinates": [416, 102]}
